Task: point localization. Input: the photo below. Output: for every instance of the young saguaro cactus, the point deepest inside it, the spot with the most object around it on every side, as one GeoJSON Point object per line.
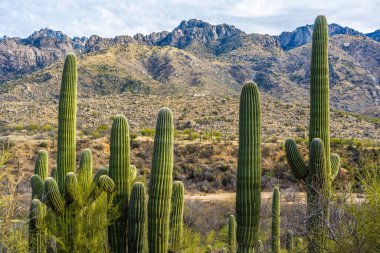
{"type": "Point", "coordinates": [248, 192]}
{"type": "Point", "coordinates": [160, 185]}
{"type": "Point", "coordinates": [37, 231]}
{"type": "Point", "coordinates": [232, 234]}
{"type": "Point", "coordinates": [119, 170]}
{"type": "Point", "coordinates": [136, 218]}
{"type": "Point", "coordinates": [276, 244]}
{"type": "Point", "coordinates": [322, 167]}
{"type": "Point", "coordinates": [176, 216]}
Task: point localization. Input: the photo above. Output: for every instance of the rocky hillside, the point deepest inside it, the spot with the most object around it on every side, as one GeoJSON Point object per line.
{"type": "Point", "coordinates": [195, 59]}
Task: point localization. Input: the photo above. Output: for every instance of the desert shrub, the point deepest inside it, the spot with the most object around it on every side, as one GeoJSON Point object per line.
{"type": "Point", "coordinates": [147, 132]}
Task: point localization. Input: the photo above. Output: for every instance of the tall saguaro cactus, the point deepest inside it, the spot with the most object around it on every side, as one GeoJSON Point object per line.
{"type": "Point", "coordinates": [160, 185]}
{"type": "Point", "coordinates": [322, 168]}
{"type": "Point", "coordinates": [119, 172]}
{"type": "Point", "coordinates": [232, 234]}
{"type": "Point", "coordinates": [176, 216]}
{"type": "Point", "coordinates": [248, 192]}
{"type": "Point", "coordinates": [136, 218]}
{"type": "Point", "coordinates": [276, 244]}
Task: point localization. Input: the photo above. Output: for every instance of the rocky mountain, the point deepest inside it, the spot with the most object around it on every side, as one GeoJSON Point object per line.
{"type": "Point", "coordinates": [302, 35]}
{"type": "Point", "coordinates": [374, 35]}
{"type": "Point", "coordinates": [195, 59]}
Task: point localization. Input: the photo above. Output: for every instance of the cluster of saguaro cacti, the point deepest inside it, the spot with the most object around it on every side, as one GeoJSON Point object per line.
{"type": "Point", "coordinates": [248, 192]}
{"type": "Point", "coordinates": [322, 168]}
{"type": "Point", "coordinates": [66, 194]}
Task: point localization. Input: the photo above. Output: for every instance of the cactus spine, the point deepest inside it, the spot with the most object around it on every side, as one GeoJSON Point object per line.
{"type": "Point", "coordinates": [160, 185]}
{"type": "Point", "coordinates": [276, 245]}
{"type": "Point", "coordinates": [322, 168]}
{"type": "Point", "coordinates": [119, 173]}
{"type": "Point", "coordinates": [232, 234]}
{"type": "Point", "coordinates": [248, 193]}
{"type": "Point", "coordinates": [136, 218]}
{"type": "Point", "coordinates": [176, 216]}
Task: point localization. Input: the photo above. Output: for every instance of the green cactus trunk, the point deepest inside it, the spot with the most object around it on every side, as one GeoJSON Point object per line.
{"type": "Point", "coordinates": [37, 228]}
{"type": "Point", "coordinates": [160, 185]}
{"type": "Point", "coordinates": [176, 216]}
{"type": "Point", "coordinates": [119, 172]}
{"type": "Point", "coordinates": [136, 219]}
{"type": "Point", "coordinates": [232, 234]}
{"type": "Point", "coordinates": [248, 192]}
{"type": "Point", "coordinates": [276, 244]}
{"type": "Point", "coordinates": [66, 154]}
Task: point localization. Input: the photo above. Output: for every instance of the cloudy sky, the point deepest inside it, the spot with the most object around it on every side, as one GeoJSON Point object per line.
{"type": "Point", "coordinates": [109, 18]}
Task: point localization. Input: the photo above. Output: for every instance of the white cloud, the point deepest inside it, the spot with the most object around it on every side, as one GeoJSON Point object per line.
{"type": "Point", "coordinates": [109, 18]}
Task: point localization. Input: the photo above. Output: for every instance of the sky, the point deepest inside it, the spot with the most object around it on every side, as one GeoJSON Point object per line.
{"type": "Point", "coordinates": [108, 18]}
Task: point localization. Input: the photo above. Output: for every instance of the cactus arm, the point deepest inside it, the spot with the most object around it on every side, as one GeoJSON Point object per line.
{"type": "Point", "coordinates": [85, 171]}
{"type": "Point", "coordinates": [295, 160]}
{"type": "Point", "coordinates": [99, 173]}
{"type": "Point", "coordinates": [136, 218]}
{"type": "Point", "coordinates": [106, 184]}
{"type": "Point", "coordinates": [37, 237]}
{"type": "Point", "coordinates": [72, 189]}
{"type": "Point", "coordinates": [54, 173]}
{"type": "Point", "coordinates": [52, 195]}
{"type": "Point", "coordinates": [41, 166]}
{"type": "Point", "coordinates": [132, 173]}
{"type": "Point", "coordinates": [37, 186]}
{"type": "Point", "coordinates": [335, 165]}
{"type": "Point", "coordinates": [176, 216]}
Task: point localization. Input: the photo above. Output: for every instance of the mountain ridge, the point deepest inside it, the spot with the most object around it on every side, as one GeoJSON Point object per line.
{"type": "Point", "coordinates": [196, 58]}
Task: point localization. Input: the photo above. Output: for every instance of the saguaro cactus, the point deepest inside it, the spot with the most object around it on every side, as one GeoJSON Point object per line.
{"type": "Point", "coordinates": [37, 230]}
{"type": "Point", "coordinates": [160, 185]}
{"type": "Point", "coordinates": [232, 234]}
{"type": "Point", "coordinates": [176, 216]}
{"type": "Point", "coordinates": [248, 192]}
{"type": "Point", "coordinates": [276, 244]}
{"type": "Point", "coordinates": [136, 218]}
{"type": "Point", "coordinates": [119, 172]}
{"type": "Point", "coordinates": [322, 167]}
